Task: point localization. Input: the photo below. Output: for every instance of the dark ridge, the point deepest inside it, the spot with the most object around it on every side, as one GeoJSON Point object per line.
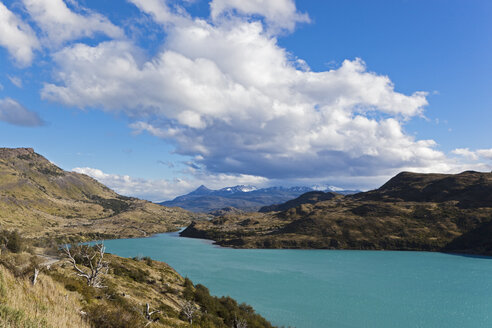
{"type": "Point", "coordinates": [311, 197]}
{"type": "Point", "coordinates": [470, 189]}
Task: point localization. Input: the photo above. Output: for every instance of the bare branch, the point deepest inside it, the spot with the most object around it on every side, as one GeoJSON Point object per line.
{"type": "Point", "coordinates": [240, 323]}
{"type": "Point", "coordinates": [94, 257]}
{"type": "Point", "coordinates": [35, 276]}
{"type": "Point", "coordinates": [189, 310]}
{"type": "Point", "coordinates": [148, 315]}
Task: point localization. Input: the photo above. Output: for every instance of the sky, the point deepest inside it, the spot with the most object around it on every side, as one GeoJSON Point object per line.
{"type": "Point", "coordinates": [156, 97]}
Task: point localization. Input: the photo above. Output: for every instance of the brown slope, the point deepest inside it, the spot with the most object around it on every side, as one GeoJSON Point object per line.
{"type": "Point", "coordinates": [470, 189]}
{"type": "Point", "coordinates": [39, 198]}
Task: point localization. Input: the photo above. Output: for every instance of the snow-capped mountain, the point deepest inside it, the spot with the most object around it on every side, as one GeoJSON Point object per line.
{"type": "Point", "coordinates": [248, 198]}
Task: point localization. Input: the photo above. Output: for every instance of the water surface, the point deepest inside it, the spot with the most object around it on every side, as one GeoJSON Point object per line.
{"type": "Point", "coordinates": [328, 288]}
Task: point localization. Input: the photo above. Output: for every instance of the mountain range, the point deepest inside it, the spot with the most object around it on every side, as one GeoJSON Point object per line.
{"type": "Point", "coordinates": [241, 197]}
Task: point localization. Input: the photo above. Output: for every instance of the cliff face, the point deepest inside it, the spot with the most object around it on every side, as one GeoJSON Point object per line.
{"type": "Point", "coordinates": [432, 212]}
{"type": "Point", "coordinates": [41, 199]}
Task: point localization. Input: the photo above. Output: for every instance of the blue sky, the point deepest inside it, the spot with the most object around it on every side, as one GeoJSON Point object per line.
{"type": "Point", "coordinates": [154, 98]}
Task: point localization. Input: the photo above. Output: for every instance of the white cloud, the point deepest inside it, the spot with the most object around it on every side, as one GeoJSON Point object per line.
{"type": "Point", "coordinates": [17, 37]}
{"type": "Point", "coordinates": [60, 24]}
{"type": "Point", "coordinates": [478, 154]}
{"type": "Point", "coordinates": [485, 153]}
{"type": "Point", "coordinates": [160, 11]}
{"type": "Point", "coordinates": [158, 190]}
{"type": "Point", "coordinates": [279, 14]}
{"type": "Point", "coordinates": [228, 95]}
{"type": "Point", "coordinates": [465, 152]}
{"type": "Point", "coordinates": [15, 80]}
{"type": "Point", "coordinates": [14, 113]}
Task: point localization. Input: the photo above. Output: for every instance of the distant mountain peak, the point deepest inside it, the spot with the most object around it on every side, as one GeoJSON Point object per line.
{"type": "Point", "coordinates": [202, 190]}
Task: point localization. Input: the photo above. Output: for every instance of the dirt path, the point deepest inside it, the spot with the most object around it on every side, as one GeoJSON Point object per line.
{"type": "Point", "coordinates": [48, 260]}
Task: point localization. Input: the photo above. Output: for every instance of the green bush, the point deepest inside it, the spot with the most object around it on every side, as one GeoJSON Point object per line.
{"type": "Point", "coordinates": [223, 311]}
{"type": "Point", "coordinates": [135, 274]}
{"type": "Point", "coordinates": [11, 240]}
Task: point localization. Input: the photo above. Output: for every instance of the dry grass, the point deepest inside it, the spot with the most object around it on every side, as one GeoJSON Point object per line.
{"type": "Point", "coordinates": [47, 304]}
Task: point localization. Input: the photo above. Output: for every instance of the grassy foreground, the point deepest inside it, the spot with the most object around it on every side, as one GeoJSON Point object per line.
{"type": "Point", "coordinates": [62, 299]}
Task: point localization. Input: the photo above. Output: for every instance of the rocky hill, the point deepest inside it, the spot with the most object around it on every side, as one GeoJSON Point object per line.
{"type": "Point", "coordinates": [432, 212]}
{"type": "Point", "coordinates": [42, 200]}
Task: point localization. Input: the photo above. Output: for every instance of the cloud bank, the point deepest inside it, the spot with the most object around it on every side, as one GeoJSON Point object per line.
{"type": "Point", "coordinates": [229, 96]}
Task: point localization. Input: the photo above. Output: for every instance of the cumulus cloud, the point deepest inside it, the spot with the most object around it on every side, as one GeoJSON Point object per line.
{"type": "Point", "coordinates": [14, 113]}
{"type": "Point", "coordinates": [226, 94]}
{"type": "Point", "coordinates": [17, 37]}
{"type": "Point", "coordinates": [60, 24]}
{"type": "Point", "coordinates": [465, 152]}
{"type": "Point", "coordinates": [158, 190]}
{"type": "Point", "coordinates": [485, 153]}
{"type": "Point", "coordinates": [279, 14]}
{"type": "Point", "coordinates": [478, 154]}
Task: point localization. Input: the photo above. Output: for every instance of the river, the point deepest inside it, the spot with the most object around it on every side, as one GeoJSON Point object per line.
{"type": "Point", "coordinates": [333, 288]}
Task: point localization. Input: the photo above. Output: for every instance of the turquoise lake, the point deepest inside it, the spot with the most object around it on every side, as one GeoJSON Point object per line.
{"type": "Point", "coordinates": [326, 288]}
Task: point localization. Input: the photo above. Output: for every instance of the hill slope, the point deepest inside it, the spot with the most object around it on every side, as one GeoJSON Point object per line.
{"type": "Point", "coordinates": [61, 299]}
{"type": "Point", "coordinates": [434, 212]}
{"type": "Point", "coordinates": [41, 199]}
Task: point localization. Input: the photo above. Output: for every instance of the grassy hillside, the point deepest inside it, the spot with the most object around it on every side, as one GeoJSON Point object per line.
{"type": "Point", "coordinates": [432, 212]}
{"type": "Point", "coordinates": [62, 299]}
{"type": "Point", "coordinates": [43, 200]}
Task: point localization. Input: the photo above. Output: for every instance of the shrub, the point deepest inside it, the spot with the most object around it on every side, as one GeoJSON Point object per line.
{"type": "Point", "coordinates": [14, 242]}
{"type": "Point", "coordinates": [188, 291]}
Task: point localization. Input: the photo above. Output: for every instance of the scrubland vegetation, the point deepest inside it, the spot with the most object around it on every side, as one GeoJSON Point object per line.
{"type": "Point", "coordinates": [135, 292]}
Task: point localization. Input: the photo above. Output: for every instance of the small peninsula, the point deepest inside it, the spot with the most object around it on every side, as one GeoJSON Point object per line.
{"type": "Point", "coordinates": [412, 211]}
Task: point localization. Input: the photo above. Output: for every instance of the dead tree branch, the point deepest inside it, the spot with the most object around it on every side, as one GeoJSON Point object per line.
{"type": "Point", "coordinates": [35, 276]}
{"type": "Point", "coordinates": [93, 259]}
{"type": "Point", "coordinates": [189, 310]}
{"type": "Point", "coordinates": [240, 323]}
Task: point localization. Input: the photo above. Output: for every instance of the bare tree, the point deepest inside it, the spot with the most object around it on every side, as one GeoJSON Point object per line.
{"type": "Point", "coordinates": [148, 314]}
{"type": "Point", "coordinates": [240, 323]}
{"type": "Point", "coordinates": [93, 259]}
{"type": "Point", "coordinates": [35, 276]}
{"type": "Point", "coordinates": [189, 310]}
